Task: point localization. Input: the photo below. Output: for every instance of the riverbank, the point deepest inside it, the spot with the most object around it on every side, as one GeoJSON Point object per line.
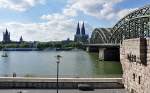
{"type": "Point", "coordinates": [21, 49]}
{"type": "Point", "coordinates": [37, 49]}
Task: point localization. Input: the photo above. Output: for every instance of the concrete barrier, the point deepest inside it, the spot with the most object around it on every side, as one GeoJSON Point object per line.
{"type": "Point", "coordinates": [64, 83]}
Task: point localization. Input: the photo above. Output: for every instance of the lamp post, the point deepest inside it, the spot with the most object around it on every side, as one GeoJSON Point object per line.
{"type": "Point", "coordinates": [58, 61]}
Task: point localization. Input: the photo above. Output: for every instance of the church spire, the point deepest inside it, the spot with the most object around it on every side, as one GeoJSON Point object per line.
{"type": "Point", "coordinates": [6, 37]}
{"type": "Point", "coordinates": [21, 39]}
{"type": "Point", "coordinates": [78, 29]}
{"type": "Point", "coordinates": [83, 29]}
{"type": "Point", "coordinates": [7, 31]}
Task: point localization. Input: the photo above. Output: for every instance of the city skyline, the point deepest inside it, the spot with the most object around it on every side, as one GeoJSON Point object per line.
{"type": "Point", "coordinates": [52, 20]}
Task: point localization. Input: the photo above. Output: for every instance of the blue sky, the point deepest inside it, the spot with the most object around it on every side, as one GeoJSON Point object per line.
{"type": "Point", "coordinates": [51, 20]}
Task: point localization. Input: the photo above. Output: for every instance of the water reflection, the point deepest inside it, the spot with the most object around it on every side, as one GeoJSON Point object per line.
{"type": "Point", "coordinates": [4, 64]}
{"type": "Point", "coordinates": [105, 68]}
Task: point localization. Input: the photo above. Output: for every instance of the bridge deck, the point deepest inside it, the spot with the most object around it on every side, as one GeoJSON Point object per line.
{"type": "Point", "coordinates": [102, 45]}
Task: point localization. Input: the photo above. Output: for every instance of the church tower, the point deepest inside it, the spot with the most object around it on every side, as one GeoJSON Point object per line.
{"type": "Point", "coordinates": [6, 37]}
{"type": "Point", "coordinates": [84, 36]}
{"type": "Point", "coordinates": [83, 29]}
{"type": "Point", "coordinates": [78, 29]}
{"type": "Point", "coordinates": [81, 36]}
{"type": "Point", "coordinates": [77, 36]}
{"type": "Point", "coordinates": [21, 39]}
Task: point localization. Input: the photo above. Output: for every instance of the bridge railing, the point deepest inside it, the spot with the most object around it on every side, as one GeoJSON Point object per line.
{"type": "Point", "coordinates": [65, 76]}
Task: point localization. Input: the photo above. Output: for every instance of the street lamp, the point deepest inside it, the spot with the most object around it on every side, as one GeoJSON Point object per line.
{"type": "Point", "coordinates": [58, 61]}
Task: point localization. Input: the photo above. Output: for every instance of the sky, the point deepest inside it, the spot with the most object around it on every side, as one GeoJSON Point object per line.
{"type": "Point", "coordinates": [54, 20]}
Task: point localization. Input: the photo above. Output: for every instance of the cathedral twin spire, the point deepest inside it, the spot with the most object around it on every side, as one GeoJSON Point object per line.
{"type": "Point", "coordinates": [82, 32]}
{"type": "Point", "coordinates": [78, 29]}
{"type": "Point", "coordinates": [80, 35]}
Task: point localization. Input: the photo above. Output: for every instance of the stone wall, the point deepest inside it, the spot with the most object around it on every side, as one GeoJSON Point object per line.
{"type": "Point", "coordinates": [62, 85]}
{"type": "Point", "coordinates": [135, 60]}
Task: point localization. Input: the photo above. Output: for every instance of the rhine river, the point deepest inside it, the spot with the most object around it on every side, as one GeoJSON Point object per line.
{"type": "Point", "coordinates": [43, 64]}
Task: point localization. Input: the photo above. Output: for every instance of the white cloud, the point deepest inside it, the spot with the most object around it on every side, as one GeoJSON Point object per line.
{"type": "Point", "coordinates": [97, 8]}
{"type": "Point", "coordinates": [39, 31]}
{"type": "Point", "coordinates": [124, 12]}
{"type": "Point", "coordinates": [69, 12]}
{"type": "Point", "coordinates": [101, 9]}
{"type": "Point", "coordinates": [59, 26]}
{"type": "Point", "coordinates": [20, 5]}
{"type": "Point", "coordinates": [55, 16]}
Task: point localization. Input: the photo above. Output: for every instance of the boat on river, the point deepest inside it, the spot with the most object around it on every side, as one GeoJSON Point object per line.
{"type": "Point", "coordinates": [5, 55]}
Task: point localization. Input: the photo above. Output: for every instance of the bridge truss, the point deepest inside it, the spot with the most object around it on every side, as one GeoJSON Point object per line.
{"type": "Point", "coordinates": [134, 25]}
{"type": "Point", "coordinates": [100, 35]}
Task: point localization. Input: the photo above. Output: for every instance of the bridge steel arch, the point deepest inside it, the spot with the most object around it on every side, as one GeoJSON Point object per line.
{"type": "Point", "coordinates": [100, 35]}
{"type": "Point", "coordinates": [134, 25]}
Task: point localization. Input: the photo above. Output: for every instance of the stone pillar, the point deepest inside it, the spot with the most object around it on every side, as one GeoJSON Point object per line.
{"type": "Point", "coordinates": [87, 49]}
{"type": "Point", "coordinates": [92, 49]}
{"type": "Point", "coordinates": [101, 53]}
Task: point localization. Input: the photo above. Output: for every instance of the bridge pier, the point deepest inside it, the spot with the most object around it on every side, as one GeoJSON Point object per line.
{"type": "Point", "coordinates": [112, 54]}
{"type": "Point", "coordinates": [101, 54]}
{"type": "Point", "coordinates": [109, 54]}
{"type": "Point", "coordinates": [105, 52]}
{"type": "Point", "coordinates": [92, 49]}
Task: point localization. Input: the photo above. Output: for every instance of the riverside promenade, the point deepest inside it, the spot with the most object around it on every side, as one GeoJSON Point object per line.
{"type": "Point", "coordinates": [64, 83]}
{"type": "Point", "coordinates": [62, 91]}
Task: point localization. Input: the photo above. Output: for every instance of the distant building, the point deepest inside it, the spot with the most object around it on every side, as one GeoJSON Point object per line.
{"type": "Point", "coordinates": [81, 36]}
{"type": "Point", "coordinates": [6, 37]}
{"type": "Point", "coordinates": [21, 39]}
{"type": "Point", "coordinates": [84, 36]}
{"type": "Point", "coordinates": [67, 41]}
{"type": "Point", "coordinates": [33, 44]}
{"type": "Point", "coordinates": [77, 36]}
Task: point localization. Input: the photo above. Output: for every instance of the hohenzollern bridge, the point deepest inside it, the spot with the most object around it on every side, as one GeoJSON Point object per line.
{"type": "Point", "coordinates": [134, 25]}
{"type": "Point", "coordinates": [129, 42]}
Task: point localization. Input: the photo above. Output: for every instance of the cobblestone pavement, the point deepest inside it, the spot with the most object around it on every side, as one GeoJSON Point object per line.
{"type": "Point", "coordinates": [61, 91]}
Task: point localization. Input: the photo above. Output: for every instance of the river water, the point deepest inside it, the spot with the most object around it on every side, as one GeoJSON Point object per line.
{"type": "Point", "coordinates": [43, 64]}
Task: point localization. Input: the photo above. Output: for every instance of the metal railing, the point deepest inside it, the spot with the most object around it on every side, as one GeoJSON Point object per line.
{"type": "Point", "coordinates": [64, 76]}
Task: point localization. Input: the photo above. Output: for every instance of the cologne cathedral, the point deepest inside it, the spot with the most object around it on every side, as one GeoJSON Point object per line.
{"type": "Point", "coordinates": [81, 36]}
